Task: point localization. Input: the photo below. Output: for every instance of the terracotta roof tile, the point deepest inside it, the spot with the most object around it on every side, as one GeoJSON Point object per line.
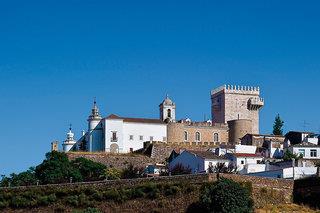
{"type": "Point", "coordinates": [247, 155]}
{"type": "Point", "coordinates": [136, 120]}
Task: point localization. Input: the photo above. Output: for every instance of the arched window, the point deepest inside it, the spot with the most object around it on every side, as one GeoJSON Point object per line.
{"type": "Point", "coordinates": [215, 137]}
{"type": "Point", "coordinates": [169, 113]}
{"type": "Point", "coordinates": [185, 135]}
{"type": "Point", "coordinates": [198, 136]}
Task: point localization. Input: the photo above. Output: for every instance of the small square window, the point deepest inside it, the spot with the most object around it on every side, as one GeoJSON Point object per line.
{"type": "Point", "coordinates": [141, 137]}
{"type": "Point", "coordinates": [313, 153]}
{"type": "Point", "coordinates": [242, 162]}
{"type": "Point", "coordinates": [151, 138]}
{"type": "Point", "coordinates": [131, 137]}
{"type": "Point", "coordinates": [164, 139]}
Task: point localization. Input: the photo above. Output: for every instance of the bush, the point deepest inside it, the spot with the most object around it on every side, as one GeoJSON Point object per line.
{"type": "Point", "coordinates": [112, 174]}
{"type": "Point", "coordinates": [179, 169]}
{"type": "Point", "coordinates": [171, 190]}
{"type": "Point", "coordinates": [112, 194]}
{"type": "Point", "coordinates": [226, 195]}
{"type": "Point", "coordinates": [132, 172]}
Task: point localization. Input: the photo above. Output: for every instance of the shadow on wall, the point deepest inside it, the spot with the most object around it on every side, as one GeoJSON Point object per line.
{"type": "Point", "coordinates": [307, 192]}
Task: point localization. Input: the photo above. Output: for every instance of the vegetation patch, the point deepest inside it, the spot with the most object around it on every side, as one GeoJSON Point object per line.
{"type": "Point", "coordinates": [83, 197]}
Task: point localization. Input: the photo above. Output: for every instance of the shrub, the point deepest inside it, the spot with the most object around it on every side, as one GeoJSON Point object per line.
{"type": "Point", "coordinates": [132, 172]}
{"type": "Point", "coordinates": [112, 194]}
{"type": "Point", "coordinates": [179, 169]}
{"type": "Point", "coordinates": [171, 190]}
{"type": "Point", "coordinates": [226, 195]}
{"type": "Point", "coordinates": [112, 174]}
{"type": "Point", "coordinates": [4, 204]}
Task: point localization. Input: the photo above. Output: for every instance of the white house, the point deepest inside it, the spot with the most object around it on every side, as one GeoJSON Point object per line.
{"type": "Point", "coordinates": [308, 150]}
{"type": "Point", "coordinates": [288, 173]}
{"type": "Point", "coordinates": [246, 162]}
{"type": "Point", "coordinates": [248, 149]}
{"type": "Point", "coordinates": [197, 161]}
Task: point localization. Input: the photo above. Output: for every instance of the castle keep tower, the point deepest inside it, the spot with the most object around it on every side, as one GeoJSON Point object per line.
{"type": "Point", "coordinates": [230, 102]}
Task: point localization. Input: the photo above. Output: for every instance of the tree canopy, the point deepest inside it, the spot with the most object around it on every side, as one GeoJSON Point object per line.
{"type": "Point", "coordinates": [226, 195]}
{"type": "Point", "coordinates": [278, 125]}
{"type": "Point", "coordinates": [57, 168]}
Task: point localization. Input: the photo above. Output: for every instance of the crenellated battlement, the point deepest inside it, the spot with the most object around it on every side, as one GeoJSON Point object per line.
{"type": "Point", "coordinates": [237, 89]}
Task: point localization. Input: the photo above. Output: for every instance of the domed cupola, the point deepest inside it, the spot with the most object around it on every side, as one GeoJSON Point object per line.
{"type": "Point", "coordinates": [167, 110]}
{"type": "Point", "coordinates": [69, 142]}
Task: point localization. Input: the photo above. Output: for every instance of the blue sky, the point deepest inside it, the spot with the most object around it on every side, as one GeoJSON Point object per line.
{"type": "Point", "coordinates": [55, 56]}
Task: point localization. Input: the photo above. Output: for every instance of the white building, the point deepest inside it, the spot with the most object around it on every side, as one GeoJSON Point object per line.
{"type": "Point", "coordinates": [308, 150]}
{"type": "Point", "coordinates": [288, 173]}
{"type": "Point", "coordinates": [246, 162]}
{"type": "Point", "coordinates": [197, 161]}
{"type": "Point", "coordinates": [122, 134]}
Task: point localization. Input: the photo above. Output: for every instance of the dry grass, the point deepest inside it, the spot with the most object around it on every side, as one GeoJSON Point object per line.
{"type": "Point", "coordinates": [286, 208]}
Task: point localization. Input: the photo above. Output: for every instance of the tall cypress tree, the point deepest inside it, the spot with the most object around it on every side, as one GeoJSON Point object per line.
{"type": "Point", "coordinates": [277, 126]}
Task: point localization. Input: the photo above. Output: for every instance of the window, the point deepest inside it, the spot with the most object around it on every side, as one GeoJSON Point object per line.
{"type": "Point", "coordinates": [141, 137]}
{"type": "Point", "coordinates": [164, 139]}
{"type": "Point", "coordinates": [185, 135]}
{"type": "Point", "coordinates": [313, 153]}
{"type": "Point", "coordinates": [215, 137]}
{"type": "Point", "coordinates": [242, 162]}
{"type": "Point", "coordinates": [198, 137]}
{"type": "Point", "coordinates": [114, 137]}
{"type": "Point", "coordinates": [151, 138]}
{"type": "Point", "coordinates": [169, 113]}
{"type": "Point", "coordinates": [130, 137]}
{"type": "Point", "coordinates": [301, 152]}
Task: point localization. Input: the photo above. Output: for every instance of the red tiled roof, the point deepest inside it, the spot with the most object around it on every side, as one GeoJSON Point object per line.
{"type": "Point", "coordinates": [136, 120]}
{"type": "Point", "coordinates": [206, 154]}
{"type": "Point", "coordinates": [113, 116]}
{"type": "Point", "coordinates": [247, 155]}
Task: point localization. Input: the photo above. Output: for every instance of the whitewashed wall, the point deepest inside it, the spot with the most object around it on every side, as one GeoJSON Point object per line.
{"type": "Point", "coordinates": [157, 131]}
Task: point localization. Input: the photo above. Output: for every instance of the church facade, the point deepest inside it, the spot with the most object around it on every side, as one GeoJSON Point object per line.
{"type": "Point", "coordinates": [232, 107]}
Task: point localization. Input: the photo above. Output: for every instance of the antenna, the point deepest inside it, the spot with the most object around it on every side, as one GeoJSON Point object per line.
{"type": "Point", "coordinates": [305, 124]}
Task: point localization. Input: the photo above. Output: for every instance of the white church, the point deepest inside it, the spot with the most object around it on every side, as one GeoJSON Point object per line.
{"type": "Point", "coordinates": [118, 134]}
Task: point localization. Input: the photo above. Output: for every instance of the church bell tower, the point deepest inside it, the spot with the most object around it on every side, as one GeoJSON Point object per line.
{"type": "Point", "coordinates": [167, 110]}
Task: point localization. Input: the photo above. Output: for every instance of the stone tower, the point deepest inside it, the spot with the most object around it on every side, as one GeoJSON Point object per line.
{"type": "Point", "coordinates": [167, 110]}
{"type": "Point", "coordinates": [236, 103]}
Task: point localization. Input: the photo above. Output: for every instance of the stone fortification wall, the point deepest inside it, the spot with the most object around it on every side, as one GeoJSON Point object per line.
{"type": "Point", "coordinates": [119, 161]}
{"type": "Point", "coordinates": [264, 190]}
{"type": "Point", "coordinates": [176, 133]}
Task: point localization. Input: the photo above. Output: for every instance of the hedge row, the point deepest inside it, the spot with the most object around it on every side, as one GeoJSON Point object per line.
{"type": "Point", "coordinates": [87, 197]}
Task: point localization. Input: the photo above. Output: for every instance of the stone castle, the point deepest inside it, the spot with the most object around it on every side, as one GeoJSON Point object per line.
{"type": "Point", "coordinates": [235, 112]}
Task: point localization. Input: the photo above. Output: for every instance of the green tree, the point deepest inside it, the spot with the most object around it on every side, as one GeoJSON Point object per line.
{"type": "Point", "coordinates": [226, 195]}
{"type": "Point", "coordinates": [56, 168]}
{"type": "Point", "coordinates": [288, 156]}
{"type": "Point", "coordinates": [22, 179]}
{"type": "Point", "coordinates": [277, 126]}
{"type": "Point", "coordinates": [89, 170]}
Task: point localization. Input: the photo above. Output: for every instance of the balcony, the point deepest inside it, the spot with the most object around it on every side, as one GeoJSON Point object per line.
{"type": "Point", "coordinates": [255, 103]}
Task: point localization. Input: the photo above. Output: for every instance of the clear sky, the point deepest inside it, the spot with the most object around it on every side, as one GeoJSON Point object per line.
{"type": "Point", "coordinates": [55, 56]}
